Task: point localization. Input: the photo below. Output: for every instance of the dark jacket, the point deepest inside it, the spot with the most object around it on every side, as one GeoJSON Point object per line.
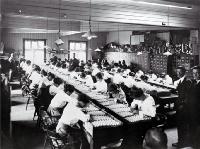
{"type": "Point", "coordinates": [181, 104]}
{"type": "Point", "coordinates": [183, 89]}
{"type": "Point", "coordinates": [194, 103]}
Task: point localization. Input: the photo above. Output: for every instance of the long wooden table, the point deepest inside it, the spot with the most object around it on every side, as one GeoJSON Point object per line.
{"type": "Point", "coordinates": [124, 120]}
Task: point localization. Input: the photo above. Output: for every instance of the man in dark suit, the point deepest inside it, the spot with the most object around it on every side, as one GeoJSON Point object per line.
{"type": "Point", "coordinates": [183, 86]}
{"type": "Point", "coordinates": [194, 108]}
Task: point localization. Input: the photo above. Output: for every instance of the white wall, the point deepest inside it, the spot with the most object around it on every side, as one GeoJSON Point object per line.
{"type": "Point", "coordinates": [124, 37]}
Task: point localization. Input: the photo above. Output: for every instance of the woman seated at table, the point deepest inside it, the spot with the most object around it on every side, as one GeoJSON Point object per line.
{"type": "Point", "coordinates": [117, 93]}
{"type": "Point", "coordinates": [56, 86]}
{"type": "Point", "coordinates": [60, 100]}
{"type": "Point", "coordinates": [117, 78]}
{"type": "Point", "coordinates": [168, 80]}
{"type": "Point", "coordinates": [88, 79]}
{"type": "Point", "coordinates": [35, 78]}
{"type": "Point", "coordinates": [100, 85]}
{"type": "Point", "coordinates": [142, 103]}
{"type": "Point", "coordinates": [72, 114]}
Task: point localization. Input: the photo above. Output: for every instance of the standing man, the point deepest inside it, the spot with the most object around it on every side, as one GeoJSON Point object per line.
{"type": "Point", "coordinates": [183, 86]}
{"type": "Point", "coordinates": [194, 108]}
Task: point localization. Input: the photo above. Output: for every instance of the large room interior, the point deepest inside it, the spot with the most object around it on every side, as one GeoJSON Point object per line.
{"type": "Point", "coordinates": [134, 45]}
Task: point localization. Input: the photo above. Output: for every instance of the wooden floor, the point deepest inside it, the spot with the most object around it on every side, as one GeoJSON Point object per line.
{"type": "Point", "coordinates": [26, 136]}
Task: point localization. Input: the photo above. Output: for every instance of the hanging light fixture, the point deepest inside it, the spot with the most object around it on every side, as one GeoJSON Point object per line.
{"type": "Point", "coordinates": [167, 53]}
{"type": "Point", "coordinates": [59, 40]}
{"type": "Point", "coordinates": [97, 49]}
{"type": "Point", "coordinates": [89, 34]}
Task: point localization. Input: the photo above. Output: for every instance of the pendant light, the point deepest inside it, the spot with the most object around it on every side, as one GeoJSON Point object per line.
{"type": "Point", "coordinates": [97, 49]}
{"type": "Point", "coordinates": [59, 40]}
{"type": "Point", "coordinates": [89, 34]}
{"type": "Point", "coordinates": [167, 53]}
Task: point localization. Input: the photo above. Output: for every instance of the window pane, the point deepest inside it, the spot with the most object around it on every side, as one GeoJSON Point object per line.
{"type": "Point", "coordinates": [77, 46]}
{"type": "Point", "coordinates": [40, 44]}
{"type": "Point", "coordinates": [83, 46]}
{"type": "Point", "coordinates": [72, 46]}
{"type": "Point", "coordinates": [27, 44]}
{"type": "Point", "coordinates": [34, 45]}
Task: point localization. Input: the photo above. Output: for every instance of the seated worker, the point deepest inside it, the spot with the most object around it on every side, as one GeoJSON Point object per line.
{"type": "Point", "coordinates": [117, 78]}
{"type": "Point", "coordinates": [60, 100]}
{"type": "Point", "coordinates": [88, 79]}
{"type": "Point", "coordinates": [72, 114]}
{"type": "Point", "coordinates": [129, 81]}
{"type": "Point", "coordinates": [168, 80]}
{"type": "Point", "coordinates": [139, 73]}
{"type": "Point", "coordinates": [28, 68]}
{"type": "Point", "coordinates": [106, 74]}
{"type": "Point", "coordinates": [22, 64]}
{"type": "Point", "coordinates": [117, 93]}
{"type": "Point", "coordinates": [126, 72]}
{"type": "Point", "coordinates": [116, 67]}
{"type": "Point", "coordinates": [100, 85]}
{"type": "Point", "coordinates": [124, 66]}
{"type": "Point", "coordinates": [47, 79]}
{"type": "Point", "coordinates": [152, 76]}
{"type": "Point", "coordinates": [155, 139]}
{"type": "Point", "coordinates": [35, 77]}
{"type": "Point", "coordinates": [82, 77]}
{"type": "Point", "coordinates": [96, 69]}
{"type": "Point", "coordinates": [56, 86]}
{"type": "Point", "coordinates": [142, 103]}
{"type": "Point", "coordinates": [64, 69]}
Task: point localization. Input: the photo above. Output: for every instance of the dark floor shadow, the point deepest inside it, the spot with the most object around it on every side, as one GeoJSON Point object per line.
{"type": "Point", "coordinates": [26, 135]}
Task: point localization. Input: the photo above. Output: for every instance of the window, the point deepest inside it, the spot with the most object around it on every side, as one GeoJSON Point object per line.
{"type": "Point", "coordinates": [34, 50]}
{"type": "Point", "coordinates": [79, 49]}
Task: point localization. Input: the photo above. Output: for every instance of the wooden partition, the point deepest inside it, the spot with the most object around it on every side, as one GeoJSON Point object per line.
{"type": "Point", "coordinates": [142, 60]}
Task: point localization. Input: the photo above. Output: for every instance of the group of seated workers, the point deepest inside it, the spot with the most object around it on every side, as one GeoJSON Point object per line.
{"type": "Point", "coordinates": [60, 99]}
{"type": "Point", "coordinates": [115, 81]}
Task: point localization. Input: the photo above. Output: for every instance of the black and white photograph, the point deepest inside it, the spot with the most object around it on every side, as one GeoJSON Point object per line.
{"type": "Point", "coordinates": [100, 74]}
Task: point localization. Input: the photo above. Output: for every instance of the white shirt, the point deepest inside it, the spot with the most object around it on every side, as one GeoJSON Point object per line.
{"type": "Point", "coordinates": [118, 79]}
{"type": "Point", "coordinates": [89, 81]}
{"type": "Point", "coordinates": [153, 77]}
{"type": "Point", "coordinates": [129, 81]}
{"type": "Point", "coordinates": [168, 80]}
{"type": "Point", "coordinates": [139, 74]}
{"type": "Point", "coordinates": [95, 71]}
{"type": "Point", "coordinates": [126, 72]}
{"type": "Point", "coordinates": [35, 78]}
{"type": "Point", "coordinates": [106, 75]}
{"type": "Point", "coordinates": [53, 90]}
{"type": "Point", "coordinates": [179, 81]}
{"type": "Point", "coordinates": [29, 69]}
{"type": "Point", "coordinates": [71, 115]}
{"type": "Point", "coordinates": [101, 86]}
{"type": "Point", "coordinates": [45, 82]}
{"type": "Point", "coordinates": [22, 65]}
{"type": "Point", "coordinates": [61, 99]}
{"type": "Point", "coordinates": [147, 106]}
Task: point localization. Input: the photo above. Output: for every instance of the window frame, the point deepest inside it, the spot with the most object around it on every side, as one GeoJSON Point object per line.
{"type": "Point", "coordinates": [76, 41]}
{"type": "Point", "coordinates": [30, 39]}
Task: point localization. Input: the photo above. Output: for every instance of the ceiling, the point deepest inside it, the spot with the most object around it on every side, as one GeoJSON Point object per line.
{"type": "Point", "coordinates": [106, 15]}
